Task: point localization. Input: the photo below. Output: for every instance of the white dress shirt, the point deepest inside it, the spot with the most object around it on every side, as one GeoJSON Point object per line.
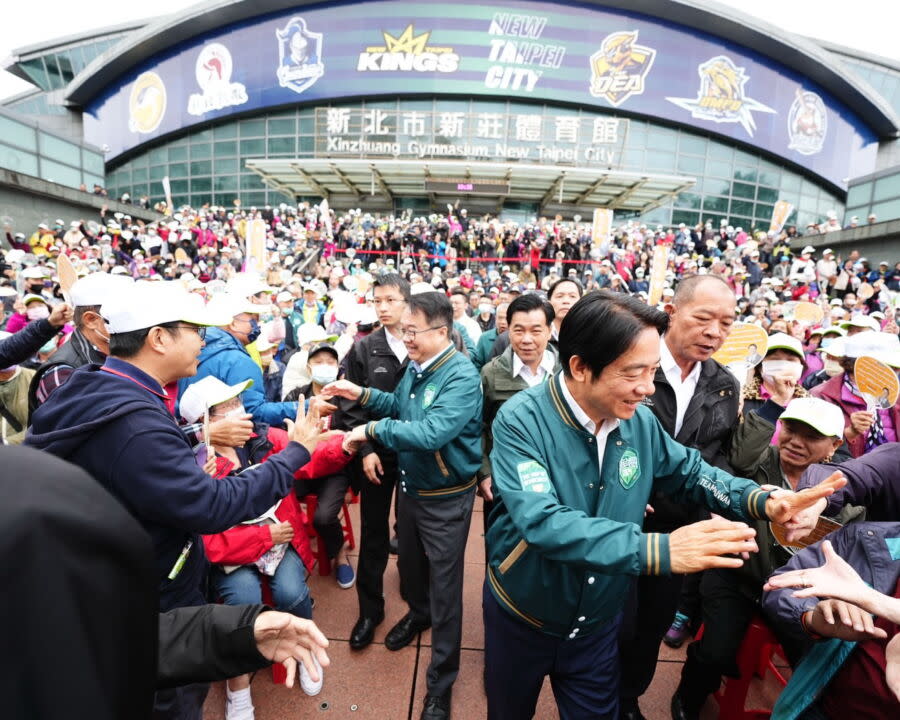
{"type": "Point", "coordinates": [544, 369]}
{"type": "Point", "coordinates": [397, 346]}
{"type": "Point", "coordinates": [582, 417]}
{"type": "Point", "coordinates": [684, 390]}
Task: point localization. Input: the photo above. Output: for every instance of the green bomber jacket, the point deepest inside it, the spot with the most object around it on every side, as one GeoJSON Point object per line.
{"type": "Point", "coordinates": [432, 421]}
{"type": "Point", "coordinates": [566, 538]}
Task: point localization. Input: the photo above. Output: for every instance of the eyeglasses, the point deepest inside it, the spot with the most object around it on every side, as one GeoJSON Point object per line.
{"type": "Point", "coordinates": [199, 329]}
{"type": "Point", "coordinates": [413, 334]}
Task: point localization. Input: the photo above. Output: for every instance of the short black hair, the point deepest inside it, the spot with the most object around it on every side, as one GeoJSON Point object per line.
{"type": "Point", "coordinates": [602, 326]}
{"type": "Point", "coordinates": [395, 281]}
{"type": "Point", "coordinates": [562, 280]}
{"type": "Point", "coordinates": [459, 291]}
{"type": "Point", "coordinates": [129, 344]}
{"type": "Point", "coordinates": [80, 310]}
{"type": "Point", "coordinates": [435, 307]}
{"type": "Point", "coordinates": [527, 303]}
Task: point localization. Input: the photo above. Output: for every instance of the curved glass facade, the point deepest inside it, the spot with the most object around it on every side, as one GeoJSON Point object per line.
{"type": "Point", "coordinates": [207, 166]}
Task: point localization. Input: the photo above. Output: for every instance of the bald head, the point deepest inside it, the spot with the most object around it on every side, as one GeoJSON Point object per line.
{"type": "Point", "coordinates": [687, 288]}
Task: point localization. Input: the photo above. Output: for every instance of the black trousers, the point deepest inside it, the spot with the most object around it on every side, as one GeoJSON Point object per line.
{"type": "Point", "coordinates": [649, 611]}
{"type": "Point", "coordinates": [432, 541]}
{"type": "Point", "coordinates": [374, 538]}
{"type": "Point", "coordinates": [330, 492]}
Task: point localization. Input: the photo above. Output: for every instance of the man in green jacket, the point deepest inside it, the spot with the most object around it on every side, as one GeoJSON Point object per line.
{"type": "Point", "coordinates": [433, 422]}
{"type": "Point", "coordinates": [528, 361]}
{"type": "Point", "coordinates": [574, 462]}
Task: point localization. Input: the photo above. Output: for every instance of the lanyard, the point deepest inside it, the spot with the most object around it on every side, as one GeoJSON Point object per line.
{"type": "Point", "coordinates": [136, 382]}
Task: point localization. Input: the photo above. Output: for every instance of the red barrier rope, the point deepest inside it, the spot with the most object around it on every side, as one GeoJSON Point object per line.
{"type": "Point", "coordinates": [469, 259]}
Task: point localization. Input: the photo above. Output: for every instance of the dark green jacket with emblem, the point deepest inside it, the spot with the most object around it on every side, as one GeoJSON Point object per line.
{"type": "Point", "coordinates": [433, 422]}
{"type": "Point", "coordinates": [499, 385]}
{"type": "Point", "coordinates": [565, 538]}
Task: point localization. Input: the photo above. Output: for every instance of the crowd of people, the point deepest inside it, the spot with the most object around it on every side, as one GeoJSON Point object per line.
{"type": "Point", "coordinates": [634, 488]}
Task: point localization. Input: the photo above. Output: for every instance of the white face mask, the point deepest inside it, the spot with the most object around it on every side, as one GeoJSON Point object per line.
{"type": "Point", "coordinates": [238, 411]}
{"type": "Point", "coordinates": [38, 312]}
{"type": "Point", "coordinates": [774, 368]}
{"type": "Point", "coordinates": [832, 367]}
{"type": "Point", "coordinates": [324, 374]}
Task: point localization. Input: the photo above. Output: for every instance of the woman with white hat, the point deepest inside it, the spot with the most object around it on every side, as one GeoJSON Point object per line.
{"type": "Point", "coordinates": [777, 377]}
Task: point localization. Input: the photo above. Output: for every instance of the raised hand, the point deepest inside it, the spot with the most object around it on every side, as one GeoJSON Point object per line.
{"type": "Point", "coordinates": [783, 505]}
{"type": "Point", "coordinates": [231, 431]}
{"type": "Point", "coordinates": [838, 619]}
{"type": "Point", "coordinates": [702, 545]}
{"type": "Point", "coordinates": [307, 430]}
{"type": "Point", "coordinates": [835, 579]}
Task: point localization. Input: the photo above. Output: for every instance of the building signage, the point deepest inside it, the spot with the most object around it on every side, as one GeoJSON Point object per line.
{"type": "Point", "coordinates": [586, 59]}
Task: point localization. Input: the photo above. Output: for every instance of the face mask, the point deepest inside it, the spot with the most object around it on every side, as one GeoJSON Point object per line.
{"type": "Point", "coordinates": [255, 331]}
{"type": "Point", "coordinates": [485, 309]}
{"type": "Point", "coordinates": [832, 367]}
{"type": "Point", "coordinates": [48, 346]}
{"type": "Point", "coordinates": [38, 312]}
{"type": "Point", "coordinates": [324, 374]}
{"type": "Point", "coordinates": [772, 368]}
{"type": "Point", "coordinates": [238, 411]}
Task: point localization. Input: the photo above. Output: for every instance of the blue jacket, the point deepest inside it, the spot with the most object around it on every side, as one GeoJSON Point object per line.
{"type": "Point", "coordinates": [433, 422]}
{"type": "Point", "coordinates": [119, 430]}
{"type": "Point", "coordinates": [225, 358]}
{"type": "Point", "coordinates": [873, 550]}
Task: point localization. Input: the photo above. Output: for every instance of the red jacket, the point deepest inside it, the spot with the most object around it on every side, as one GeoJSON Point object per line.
{"type": "Point", "coordinates": [245, 544]}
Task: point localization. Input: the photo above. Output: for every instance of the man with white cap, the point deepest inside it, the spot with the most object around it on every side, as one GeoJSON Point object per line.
{"type": "Point", "coordinates": [88, 343]}
{"type": "Point", "coordinates": [811, 432]}
{"type": "Point", "coordinates": [116, 423]}
{"type": "Point", "coordinates": [225, 356]}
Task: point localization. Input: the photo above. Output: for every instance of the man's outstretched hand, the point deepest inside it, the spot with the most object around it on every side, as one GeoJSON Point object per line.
{"type": "Point", "coordinates": [287, 639]}
{"type": "Point", "coordinates": [702, 545]}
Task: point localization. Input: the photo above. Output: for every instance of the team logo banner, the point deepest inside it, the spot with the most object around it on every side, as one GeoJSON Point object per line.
{"type": "Point", "coordinates": [807, 123]}
{"type": "Point", "coordinates": [407, 52]}
{"type": "Point", "coordinates": [619, 67]}
{"type": "Point", "coordinates": [213, 71]}
{"type": "Point", "coordinates": [722, 97]}
{"type": "Point", "coordinates": [147, 103]}
{"type": "Point", "coordinates": [299, 56]}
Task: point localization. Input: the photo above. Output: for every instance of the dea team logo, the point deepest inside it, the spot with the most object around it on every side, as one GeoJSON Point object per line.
{"type": "Point", "coordinates": [807, 123]}
{"type": "Point", "coordinates": [299, 56]}
{"type": "Point", "coordinates": [619, 67]}
{"type": "Point", "coordinates": [722, 97]}
{"type": "Point", "coordinates": [147, 103]}
{"type": "Point", "coordinates": [407, 52]}
{"type": "Point", "coordinates": [213, 71]}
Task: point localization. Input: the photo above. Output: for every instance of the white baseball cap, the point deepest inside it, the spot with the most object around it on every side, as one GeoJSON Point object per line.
{"type": "Point", "coordinates": [312, 333]}
{"type": "Point", "coordinates": [145, 305]}
{"type": "Point", "coordinates": [821, 415]}
{"type": "Point", "coordinates": [783, 341]}
{"type": "Point", "coordinates": [97, 288]}
{"type": "Point", "coordinates": [879, 345]}
{"type": "Point", "coordinates": [207, 393]}
{"type": "Point", "coordinates": [864, 321]}
{"type": "Point", "coordinates": [227, 305]}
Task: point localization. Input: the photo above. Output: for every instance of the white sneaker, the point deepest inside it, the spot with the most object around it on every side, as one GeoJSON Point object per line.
{"type": "Point", "coordinates": [238, 705]}
{"type": "Point", "coordinates": [306, 682]}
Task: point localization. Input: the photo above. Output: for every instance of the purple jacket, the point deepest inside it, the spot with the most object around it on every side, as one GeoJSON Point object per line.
{"type": "Point", "coordinates": [872, 549]}
{"type": "Point", "coordinates": [873, 480]}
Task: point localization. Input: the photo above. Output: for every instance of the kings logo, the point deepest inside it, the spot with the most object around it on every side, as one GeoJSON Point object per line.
{"type": "Point", "coordinates": [407, 52]}
{"type": "Point", "coordinates": [807, 123]}
{"type": "Point", "coordinates": [299, 56]}
{"type": "Point", "coordinates": [619, 67]}
{"type": "Point", "coordinates": [722, 97]}
{"type": "Point", "coordinates": [213, 71]}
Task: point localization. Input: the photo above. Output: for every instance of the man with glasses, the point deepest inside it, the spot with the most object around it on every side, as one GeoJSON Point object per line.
{"type": "Point", "coordinates": [115, 421]}
{"type": "Point", "coordinates": [433, 422]}
{"type": "Point", "coordinates": [379, 361]}
{"type": "Point", "coordinates": [226, 358]}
